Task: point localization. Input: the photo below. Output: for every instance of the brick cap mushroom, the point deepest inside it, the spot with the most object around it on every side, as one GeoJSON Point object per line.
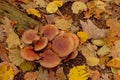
{"type": "Point", "coordinates": [29, 36]}
{"type": "Point", "coordinates": [40, 44]}
{"type": "Point", "coordinates": [63, 44]}
{"type": "Point", "coordinates": [49, 59]}
{"type": "Point", "coordinates": [28, 53]}
{"type": "Point", "coordinates": [49, 31]}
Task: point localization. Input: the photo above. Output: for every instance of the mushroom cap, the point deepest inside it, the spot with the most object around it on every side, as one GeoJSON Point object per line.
{"type": "Point", "coordinates": [63, 44]}
{"type": "Point", "coordinates": [49, 31]}
{"type": "Point", "coordinates": [76, 40]}
{"type": "Point", "coordinates": [72, 55]}
{"type": "Point", "coordinates": [40, 44]}
{"type": "Point", "coordinates": [29, 36]}
{"type": "Point", "coordinates": [28, 54]}
{"type": "Point", "coordinates": [49, 59]}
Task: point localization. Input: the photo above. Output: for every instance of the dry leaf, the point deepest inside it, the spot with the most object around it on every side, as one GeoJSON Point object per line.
{"type": "Point", "coordinates": [34, 12]}
{"type": "Point", "coordinates": [15, 57]}
{"type": "Point", "coordinates": [98, 42]}
{"type": "Point", "coordinates": [62, 24]}
{"type": "Point", "coordinates": [60, 75]}
{"type": "Point", "coordinates": [95, 8]}
{"type": "Point", "coordinates": [83, 36]}
{"type": "Point", "coordinates": [88, 50]}
{"type": "Point", "coordinates": [52, 7]}
{"type": "Point", "coordinates": [92, 30]}
{"type": "Point", "coordinates": [105, 77]}
{"type": "Point", "coordinates": [103, 50]}
{"type": "Point", "coordinates": [43, 76]}
{"type": "Point", "coordinates": [94, 74]}
{"type": "Point", "coordinates": [40, 3]}
{"type": "Point", "coordinates": [116, 77]}
{"type": "Point", "coordinates": [78, 6]}
{"type": "Point", "coordinates": [13, 40]}
{"type": "Point", "coordinates": [2, 34]}
{"type": "Point", "coordinates": [114, 31]}
{"type": "Point", "coordinates": [92, 61]}
{"type": "Point", "coordinates": [31, 75]}
{"type": "Point", "coordinates": [115, 62]}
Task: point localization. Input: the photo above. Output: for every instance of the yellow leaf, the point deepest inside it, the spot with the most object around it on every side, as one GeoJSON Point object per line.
{"type": "Point", "coordinates": [13, 40]}
{"type": "Point", "coordinates": [78, 6]}
{"type": "Point", "coordinates": [103, 50]}
{"type": "Point", "coordinates": [92, 61]}
{"type": "Point", "coordinates": [115, 63]}
{"type": "Point", "coordinates": [33, 12]}
{"type": "Point", "coordinates": [95, 8]}
{"type": "Point", "coordinates": [58, 2]}
{"type": "Point", "coordinates": [63, 24]}
{"type": "Point", "coordinates": [6, 72]}
{"type": "Point", "coordinates": [52, 7]}
{"type": "Point", "coordinates": [78, 73]}
{"type": "Point", "coordinates": [83, 36]}
{"type": "Point", "coordinates": [98, 42]}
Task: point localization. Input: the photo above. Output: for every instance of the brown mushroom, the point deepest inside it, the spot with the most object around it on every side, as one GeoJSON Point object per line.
{"type": "Point", "coordinates": [40, 44]}
{"type": "Point", "coordinates": [63, 44]}
{"type": "Point", "coordinates": [49, 59]}
{"type": "Point", "coordinates": [76, 39]}
{"type": "Point", "coordinates": [72, 55]}
{"type": "Point", "coordinates": [29, 36]}
{"type": "Point", "coordinates": [49, 31]}
{"type": "Point", "coordinates": [28, 53]}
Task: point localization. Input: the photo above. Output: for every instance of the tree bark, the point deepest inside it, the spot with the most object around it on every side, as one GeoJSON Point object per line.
{"type": "Point", "coordinates": [6, 9]}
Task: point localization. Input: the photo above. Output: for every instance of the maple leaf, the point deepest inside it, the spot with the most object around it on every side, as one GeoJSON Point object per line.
{"type": "Point", "coordinates": [92, 30]}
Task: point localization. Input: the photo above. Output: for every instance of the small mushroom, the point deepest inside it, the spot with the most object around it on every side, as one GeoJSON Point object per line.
{"type": "Point", "coordinates": [49, 59]}
{"type": "Point", "coordinates": [49, 31]}
{"type": "Point", "coordinates": [76, 39]}
{"type": "Point", "coordinates": [29, 36]}
{"type": "Point", "coordinates": [63, 44]}
{"type": "Point", "coordinates": [28, 53]}
{"type": "Point", "coordinates": [40, 44]}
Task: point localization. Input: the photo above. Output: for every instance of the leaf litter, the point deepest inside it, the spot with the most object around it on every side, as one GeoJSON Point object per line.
{"type": "Point", "coordinates": [98, 48]}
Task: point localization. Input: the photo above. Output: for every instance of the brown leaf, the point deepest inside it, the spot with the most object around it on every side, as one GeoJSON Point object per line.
{"type": "Point", "coordinates": [92, 30]}
{"type": "Point", "coordinates": [94, 74]}
{"type": "Point", "coordinates": [60, 75]}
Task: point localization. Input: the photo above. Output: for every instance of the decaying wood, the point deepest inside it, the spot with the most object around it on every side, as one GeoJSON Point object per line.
{"type": "Point", "coordinates": [6, 9]}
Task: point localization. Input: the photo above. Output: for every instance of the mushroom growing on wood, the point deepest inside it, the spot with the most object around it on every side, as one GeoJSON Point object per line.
{"type": "Point", "coordinates": [29, 36]}
{"type": "Point", "coordinates": [63, 44]}
{"type": "Point", "coordinates": [28, 54]}
{"type": "Point", "coordinates": [40, 44]}
{"type": "Point", "coordinates": [49, 59]}
{"type": "Point", "coordinates": [49, 31]}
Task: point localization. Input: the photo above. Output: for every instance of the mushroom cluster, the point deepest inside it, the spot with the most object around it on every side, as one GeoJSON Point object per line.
{"type": "Point", "coordinates": [49, 46]}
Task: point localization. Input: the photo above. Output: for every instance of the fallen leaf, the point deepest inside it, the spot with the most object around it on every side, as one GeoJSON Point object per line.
{"type": "Point", "coordinates": [40, 3]}
{"type": "Point", "coordinates": [6, 72]}
{"type": "Point", "coordinates": [60, 75]}
{"type": "Point", "coordinates": [92, 61]}
{"type": "Point", "coordinates": [2, 35]}
{"type": "Point", "coordinates": [93, 31]}
{"type": "Point", "coordinates": [78, 6]}
{"type": "Point", "coordinates": [95, 8]}
{"type": "Point", "coordinates": [43, 76]}
{"type": "Point", "coordinates": [103, 50]}
{"type": "Point", "coordinates": [15, 57]}
{"type": "Point", "coordinates": [116, 77]}
{"type": "Point", "coordinates": [34, 12]}
{"type": "Point", "coordinates": [83, 36]}
{"type": "Point", "coordinates": [94, 74]}
{"type": "Point", "coordinates": [115, 62]}
{"type": "Point", "coordinates": [63, 24]}
{"type": "Point", "coordinates": [98, 42]}
{"type": "Point", "coordinates": [117, 2]}
{"type": "Point", "coordinates": [52, 7]}
{"type": "Point", "coordinates": [13, 40]}
{"type": "Point", "coordinates": [78, 73]}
